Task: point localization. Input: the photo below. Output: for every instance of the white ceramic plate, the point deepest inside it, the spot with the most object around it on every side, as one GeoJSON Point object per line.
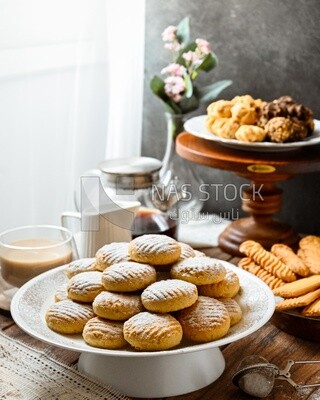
{"type": "Point", "coordinates": [197, 127]}
{"type": "Point", "coordinates": [30, 303]}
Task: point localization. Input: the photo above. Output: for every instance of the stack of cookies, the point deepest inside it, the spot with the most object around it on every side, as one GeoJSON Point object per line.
{"type": "Point", "coordinates": [149, 294]}
{"type": "Point", "coordinates": [294, 277]}
{"type": "Point", "coordinates": [253, 120]}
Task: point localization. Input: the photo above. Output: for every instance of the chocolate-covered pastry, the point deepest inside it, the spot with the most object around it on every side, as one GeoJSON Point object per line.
{"type": "Point", "coordinates": [286, 107]}
{"type": "Point", "coordinates": [300, 131]}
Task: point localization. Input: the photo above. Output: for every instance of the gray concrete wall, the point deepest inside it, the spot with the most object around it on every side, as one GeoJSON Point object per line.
{"type": "Point", "coordinates": [268, 48]}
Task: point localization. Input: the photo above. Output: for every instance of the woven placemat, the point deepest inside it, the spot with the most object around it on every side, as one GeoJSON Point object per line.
{"type": "Point", "coordinates": [30, 374]}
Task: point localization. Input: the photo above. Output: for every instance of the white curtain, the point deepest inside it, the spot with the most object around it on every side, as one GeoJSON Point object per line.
{"type": "Point", "coordinates": [71, 76]}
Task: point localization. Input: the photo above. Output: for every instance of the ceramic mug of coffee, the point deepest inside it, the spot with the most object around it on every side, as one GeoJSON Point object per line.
{"type": "Point", "coordinates": [111, 223]}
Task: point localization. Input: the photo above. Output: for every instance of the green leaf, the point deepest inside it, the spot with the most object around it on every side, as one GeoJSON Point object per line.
{"type": "Point", "coordinates": [157, 86]}
{"type": "Point", "coordinates": [190, 104]}
{"type": "Point", "coordinates": [173, 106]}
{"type": "Point", "coordinates": [190, 47]}
{"type": "Point", "coordinates": [188, 86]}
{"type": "Point", "coordinates": [208, 63]}
{"type": "Point", "coordinates": [210, 92]}
{"type": "Point", "coordinates": [183, 31]}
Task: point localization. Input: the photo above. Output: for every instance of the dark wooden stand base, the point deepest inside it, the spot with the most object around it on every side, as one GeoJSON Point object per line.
{"type": "Point", "coordinates": [261, 200]}
{"type": "Point", "coordinates": [266, 234]}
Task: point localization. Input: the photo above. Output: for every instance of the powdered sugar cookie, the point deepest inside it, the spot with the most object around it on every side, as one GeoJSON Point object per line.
{"type": "Point", "coordinates": [117, 306]}
{"type": "Point", "coordinates": [199, 270]}
{"type": "Point", "coordinates": [206, 320]}
{"type": "Point", "coordinates": [152, 332]}
{"type": "Point", "coordinates": [104, 334]}
{"type": "Point", "coordinates": [154, 249]}
{"type": "Point", "coordinates": [128, 276]}
{"type": "Point", "coordinates": [67, 316]}
{"type": "Point", "coordinates": [169, 295]}
{"type": "Point", "coordinates": [85, 287]}
{"type": "Point", "coordinates": [112, 253]}
{"type": "Point", "coordinates": [228, 287]}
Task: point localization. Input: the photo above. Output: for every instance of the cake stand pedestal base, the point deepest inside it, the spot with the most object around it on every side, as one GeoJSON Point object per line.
{"type": "Point", "coordinates": [260, 226]}
{"type": "Point", "coordinates": [266, 234]}
{"type": "Point", "coordinates": [155, 375]}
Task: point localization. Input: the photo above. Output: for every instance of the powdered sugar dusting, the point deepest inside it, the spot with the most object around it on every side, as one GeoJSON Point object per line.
{"type": "Point", "coordinates": [168, 288]}
{"type": "Point", "coordinates": [206, 312]}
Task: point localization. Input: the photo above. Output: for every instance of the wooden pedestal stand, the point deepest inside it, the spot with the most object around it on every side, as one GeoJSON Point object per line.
{"type": "Point", "coordinates": [260, 226]}
{"type": "Point", "coordinates": [263, 198]}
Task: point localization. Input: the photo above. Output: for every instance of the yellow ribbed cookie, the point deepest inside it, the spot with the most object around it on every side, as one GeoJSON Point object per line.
{"type": "Point", "coordinates": [267, 260]}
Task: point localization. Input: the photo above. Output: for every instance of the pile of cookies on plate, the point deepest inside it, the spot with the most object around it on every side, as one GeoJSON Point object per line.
{"type": "Point", "coordinates": [150, 294]}
{"type": "Point", "coordinates": [254, 120]}
{"type": "Point", "coordinates": [294, 277]}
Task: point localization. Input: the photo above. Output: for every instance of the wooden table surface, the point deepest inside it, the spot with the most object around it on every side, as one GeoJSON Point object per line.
{"type": "Point", "coordinates": [269, 342]}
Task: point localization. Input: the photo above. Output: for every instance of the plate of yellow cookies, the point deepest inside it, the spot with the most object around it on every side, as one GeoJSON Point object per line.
{"type": "Point", "coordinates": [249, 124]}
{"type": "Point", "coordinates": [294, 278]}
{"type": "Point", "coordinates": [147, 320]}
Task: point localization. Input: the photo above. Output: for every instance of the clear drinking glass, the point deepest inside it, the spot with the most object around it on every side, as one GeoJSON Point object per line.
{"type": "Point", "coordinates": [28, 251]}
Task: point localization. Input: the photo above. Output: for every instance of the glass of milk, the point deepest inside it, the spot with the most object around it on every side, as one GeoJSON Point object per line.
{"type": "Point", "coordinates": [28, 251]}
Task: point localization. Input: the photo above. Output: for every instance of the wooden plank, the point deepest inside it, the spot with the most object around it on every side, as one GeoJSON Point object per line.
{"type": "Point", "coordinates": [216, 252]}
{"type": "Point", "coordinates": [235, 260]}
{"type": "Point", "coordinates": [5, 321]}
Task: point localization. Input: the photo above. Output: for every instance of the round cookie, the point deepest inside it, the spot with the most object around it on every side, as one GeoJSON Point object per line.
{"type": "Point", "coordinates": [61, 293]}
{"type": "Point", "coordinates": [169, 295]}
{"type": "Point", "coordinates": [234, 310]}
{"type": "Point", "coordinates": [244, 114]}
{"type": "Point", "coordinates": [220, 109]}
{"type": "Point", "coordinates": [81, 265]}
{"type": "Point", "coordinates": [104, 334]}
{"type": "Point", "coordinates": [199, 270]}
{"type": "Point", "coordinates": [198, 253]}
{"type": "Point", "coordinates": [250, 133]}
{"type": "Point", "coordinates": [154, 249]}
{"type": "Point", "coordinates": [128, 277]}
{"type": "Point", "coordinates": [152, 332]}
{"type": "Point", "coordinates": [226, 288]}
{"type": "Point", "coordinates": [206, 320]}
{"type": "Point", "coordinates": [225, 127]}
{"type": "Point", "coordinates": [112, 253]}
{"type": "Point", "coordinates": [186, 251]}
{"type": "Point", "coordinates": [117, 306]}
{"type": "Point", "coordinates": [69, 317]}
{"type": "Point", "coordinates": [85, 287]}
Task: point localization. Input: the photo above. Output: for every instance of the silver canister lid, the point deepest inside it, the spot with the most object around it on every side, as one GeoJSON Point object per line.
{"type": "Point", "coordinates": [132, 172]}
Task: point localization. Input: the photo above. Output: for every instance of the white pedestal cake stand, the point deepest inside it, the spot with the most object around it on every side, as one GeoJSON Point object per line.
{"type": "Point", "coordinates": [144, 374]}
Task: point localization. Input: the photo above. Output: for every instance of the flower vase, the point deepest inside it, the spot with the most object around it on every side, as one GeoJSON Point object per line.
{"type": "Point", "coordinates": [179, 184]}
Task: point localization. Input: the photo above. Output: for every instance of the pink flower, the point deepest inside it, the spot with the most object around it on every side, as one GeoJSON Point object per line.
{"type": "Point", "coordinates": [191, 57]}
{"type": "Point", "coordinates": [169, 34]}
{"type": "Point", "coordinates": [174, 87]}
{"type": "Point", "coordinates": [174, 69]}
{"type": "Point", "coordinates": [175, 46]}
{"type": "Point", "coordinates": [203, 46]}
{"type": "Point", "coordinates": [176, 98]}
